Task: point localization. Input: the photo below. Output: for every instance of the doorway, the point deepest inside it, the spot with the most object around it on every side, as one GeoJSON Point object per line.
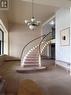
{"type": "Point", "coordinates": [1, 42]}
{"type": "Point", "coordinates": [52, 51]}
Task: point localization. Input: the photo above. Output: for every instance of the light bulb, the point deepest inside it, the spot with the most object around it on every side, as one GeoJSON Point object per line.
{"type": "Point", "coordinates": [31, 27]}
{"type": "Point", "coordinates": [32, 19]}
{"type": "Point", "coordinates": [38, 22]}
{"type": "Point", "coordinates": [52, 22]}
{"type": "Point", "coordinates": [26, 21]}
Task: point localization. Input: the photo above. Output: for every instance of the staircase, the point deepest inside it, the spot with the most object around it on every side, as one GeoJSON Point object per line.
{"type": "Point", "coordinates": [33, 56]}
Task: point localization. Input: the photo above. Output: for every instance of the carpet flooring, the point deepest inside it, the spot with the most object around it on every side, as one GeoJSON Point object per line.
{"type": "Point", "coordinates": [54, 81]}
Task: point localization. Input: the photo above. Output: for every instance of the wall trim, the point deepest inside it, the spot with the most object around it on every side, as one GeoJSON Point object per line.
{"type": "Point", "coordinates": [47, 21]}
{"type": "Point", "coordinates": [63, 64]}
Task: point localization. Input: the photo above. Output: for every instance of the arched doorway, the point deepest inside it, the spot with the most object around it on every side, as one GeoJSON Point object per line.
{"type": "Point", "coordinates": [3, 39]}
{"type": "Point", "coordinates": [1, 42]}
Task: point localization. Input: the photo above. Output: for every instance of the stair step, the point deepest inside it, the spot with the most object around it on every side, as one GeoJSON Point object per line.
{"type": "Point", "coordinates": [32, 57]}
{"type": "Point", "coordinates": [34, 53]}
{"type": "Point", "coordinates": [30, 65]}
{"type": "Point", "coordinates": [31, 61]}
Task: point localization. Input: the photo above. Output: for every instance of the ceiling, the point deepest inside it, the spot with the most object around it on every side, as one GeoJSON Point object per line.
{"type": "Point", "coordinates": [43, 9]}
{"type": "Point", "coordinates": [58, 3]}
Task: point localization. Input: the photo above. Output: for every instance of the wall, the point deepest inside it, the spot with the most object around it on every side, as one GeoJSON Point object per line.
{"type": "Point", "coordinates": [19, 36]}
{"type": "Point", "coordinates": [48, 51]}
{"type": "Point", "coordinates": [46, 29]}
{"type": "Point", "coordinates": [70, 34]}
{"type": "Point", "coordinates": [63, 53]}
{"type": "Point", "coordinates": [3, 17]}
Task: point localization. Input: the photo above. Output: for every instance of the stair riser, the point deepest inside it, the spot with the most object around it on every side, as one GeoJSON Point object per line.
{"type": "Point", "coordinates": [32, 55]}
{"type": "Point", "coordinates": [35, 57]}
{"type": "Point", "coordinates": [31, 62]}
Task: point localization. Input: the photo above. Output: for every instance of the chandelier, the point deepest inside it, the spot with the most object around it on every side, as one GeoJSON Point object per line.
{"type": "Point", "coordinates": [32, 23]}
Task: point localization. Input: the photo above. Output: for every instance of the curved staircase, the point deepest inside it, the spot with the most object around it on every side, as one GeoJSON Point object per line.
{"type": "Point", "coordinates": [32, 57]}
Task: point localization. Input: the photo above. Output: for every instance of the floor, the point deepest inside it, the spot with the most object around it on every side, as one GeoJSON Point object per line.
{"type": "Point", "coordinates": [54, 81]}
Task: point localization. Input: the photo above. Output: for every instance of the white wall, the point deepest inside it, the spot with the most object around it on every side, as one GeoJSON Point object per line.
{"type": "Point", "coordinates": [63, 20]}
{"type": "Point", "coordinates": [70, 34]}
{"type": "Point", "coordinates": [19, 36]}
{"type": "Point", "coordinates": [48, 50]}
{"type": "Point", "coordinates": [3, 17]}
{"type": "Point", "coordinates": [46, 29]}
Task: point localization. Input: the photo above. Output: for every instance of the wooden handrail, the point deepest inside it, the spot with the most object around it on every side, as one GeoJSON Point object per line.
{"type": "Point", "coordinates": [29, 43]}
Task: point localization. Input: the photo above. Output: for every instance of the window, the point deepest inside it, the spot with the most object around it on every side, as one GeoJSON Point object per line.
{"type": "Point", "coordinates": [1, 42]}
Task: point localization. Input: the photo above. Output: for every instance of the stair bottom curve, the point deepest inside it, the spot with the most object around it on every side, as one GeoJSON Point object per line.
{"type": "Point", "coordinates": [30, 69]}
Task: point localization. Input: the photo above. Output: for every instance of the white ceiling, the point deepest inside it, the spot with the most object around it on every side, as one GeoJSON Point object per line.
{"type": "Point", "coordinates": [58, 3]}
{"type": "Point", "coordinates": [43, 9]}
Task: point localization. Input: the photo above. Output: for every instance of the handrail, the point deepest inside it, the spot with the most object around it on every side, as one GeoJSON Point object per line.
{"type": "Point", "coordinates": [42, 41]}
{"type": "Point", "coordinates": [29, 43]}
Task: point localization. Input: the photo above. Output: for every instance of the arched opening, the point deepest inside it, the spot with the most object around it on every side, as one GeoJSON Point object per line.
{"type": "Point", "coordinates": [3, 39]}
{"type": "Point", "coordinates": [1, 42]}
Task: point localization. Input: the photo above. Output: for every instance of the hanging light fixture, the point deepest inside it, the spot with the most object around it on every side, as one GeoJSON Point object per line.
{"type": "Point", "coordinates": [32, 23]}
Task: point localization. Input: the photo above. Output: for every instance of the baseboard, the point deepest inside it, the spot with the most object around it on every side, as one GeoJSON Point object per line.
{"type": "Point", "coordinates": [63, 64]}
{"type": "Point", "coordinates": [6, 58]}
{"type": "Point", "coordinates": [12, 60]}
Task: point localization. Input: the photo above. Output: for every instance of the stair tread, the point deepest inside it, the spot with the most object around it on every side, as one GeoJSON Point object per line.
{"type": "Point", "coordinates": [31, 58]}
{"type": "Point", "coordinates": [30, 62]}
